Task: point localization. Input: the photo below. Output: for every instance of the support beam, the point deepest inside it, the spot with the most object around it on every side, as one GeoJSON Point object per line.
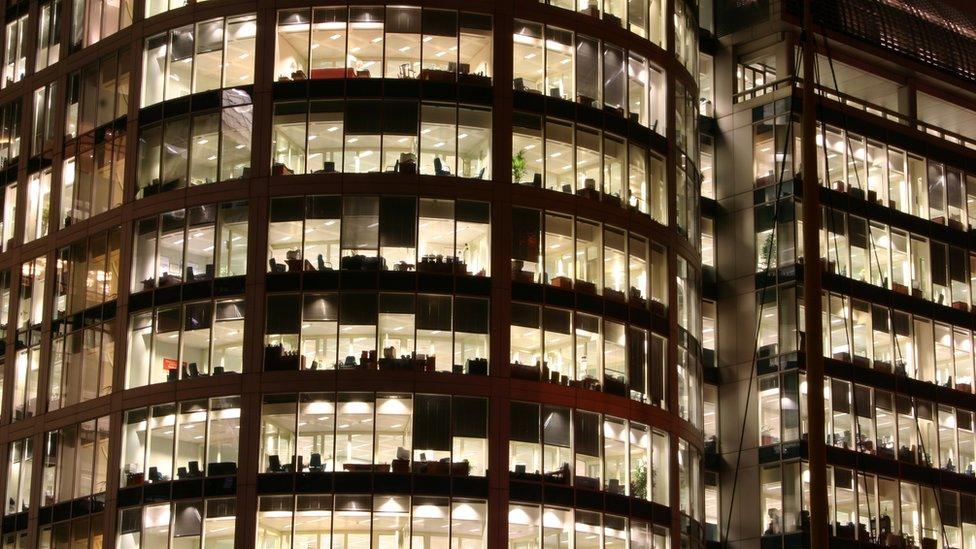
{"type": "Point", "coordinates": [812, 286]}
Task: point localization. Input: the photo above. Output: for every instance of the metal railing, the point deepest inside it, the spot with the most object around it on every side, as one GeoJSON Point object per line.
{"type": "Point", "coordinates": [759, 91]}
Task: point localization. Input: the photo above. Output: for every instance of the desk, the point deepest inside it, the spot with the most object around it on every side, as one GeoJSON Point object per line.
{"type": "Point", "coordinates": [337, 72]}
{"type": "Point", "coordinates": [366, 467]}
{"type": "Point", "coordinates": [435, 75]}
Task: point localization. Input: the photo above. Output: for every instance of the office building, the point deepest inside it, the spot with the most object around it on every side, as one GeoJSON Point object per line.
{"type": "Point", "coordinates": [292, 274]}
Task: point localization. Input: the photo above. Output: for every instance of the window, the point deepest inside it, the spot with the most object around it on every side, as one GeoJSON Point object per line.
{"type": "Point", "coordinates": [429, 521]}
{"type": "Point", "coordinates": [97, 94]}
{"type": "Point", "coordinates": [92, 176]}
{"type": "Point", "coordinates": [587, 450]}
{"type": "Point", "coordinates": [9, 204]}
{"type": "Point", "coordinates": [81, 364]}
{"type": "Point", "coordinates": [585, 351]}
{"type": "Point", "coordinates": [707, 159]}
{"type": "Point", "coordinates": [36, 218]}
{"type": "Point", "coordinates": [15, 51]}
{"type": "Point", "coordinates": [614, 80]}
{"type": "Point", "coordinates": [32, 290]}
{"type": "Point", "coordinates": [872, 252]}
{"type": "Point", "coordinates": [27, 358]}
{"type": "Point", "coordinates": [208, 55]}
{"type": "Point", "coordinates": [195, 523]}
{"type": "Point", "coordinates": [82, 357]}
{"type": "Point", "coordinates": [575, 249]}
{"type": "Point", "coordinates": [588, 163]}
{"type": "Point", "coordinates": [4, 301]}
{"type": "Point", "coordinates": [427, 44]}
{"type": "Point", "coordinates": [706, 76]}
{"type": "Point", "coordinates": [87, 272]}
{"type": "Point", "coordinates": [185, 342]}
{"type": "Point", "coordinates": [19, 469]}
{"type": "Point", "coordinates": [196, 150]}
{"type": "Point", "coordinates": [876, 422]}
{"type": "Point", "coordinates": [155, 7]}
{"type": "Point", "coordinates": [689, 392]}
{"type": "Point", "coordinates": [588, 74]}
{"type": "Point", "coordinates": [399, 433]}
{"type": "Point", "coordinates": [781, 400]}
{"type": "Point", "coordinates": [94, 20]}
{"type": "Point", "coordinates": [9, 133]}
{"type": "Point", "coordinates": [183, 440]}
{"type": "Point", "coordinates": [906, 509]}
{"type": "Point", "coordinates": [769, 410]}
{"type": "Point", "coordinates": [710, 425]}
{"type": "Point", "coordinates": [320, 331]}
{"type": "Point", "coordinates": [314, 138]}
{"type": "Point", "coordinates": [559, 527]}
{"type": "Point", "coordinates": [686, 35]}
{"type": "Point", "coordinates": [190, 245]}
{"type": "Point", "coordinates": [880, 173]}
{"type": "Point", "coordinates": [686, 123]}
{"type": "Point", "coordinates": [42, 123]}
{"type": "Point", "coordinates": [48, 35]}
{"type": "Point", "coordinates": [453, 237]}
{"type": "Point", "coordinates": [559, 64]}
{"type": "Point", "coordinates": [528, 56]}
{"type": "Point", "coordinates": [688, 299]}
{"type": "Point", "coordinates": [75, 461]}
{"type": "Point", "coordinates": [754, 77]}
{"type": "Point", "coordinates": [689, 480]}
{"type": "Point", "coordinates": [589, 359]}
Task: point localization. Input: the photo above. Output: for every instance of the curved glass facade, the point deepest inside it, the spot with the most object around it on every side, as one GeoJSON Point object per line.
{"type": "Point", "coordinates": [359, 276]}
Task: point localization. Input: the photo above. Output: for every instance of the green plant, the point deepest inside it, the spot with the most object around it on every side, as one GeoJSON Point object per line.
{"type": "Point", "coordinates": [638, 481]}
{"type": "Point", "coordinates": [518, 166]}
{"type": "Point", "coordinates": [766, 253]}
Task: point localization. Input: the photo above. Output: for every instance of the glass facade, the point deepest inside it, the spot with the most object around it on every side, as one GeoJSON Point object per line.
{"type": "Point", "coordinates": [310, 276]}
{"type": "Point", "coordinates": [893, 213]}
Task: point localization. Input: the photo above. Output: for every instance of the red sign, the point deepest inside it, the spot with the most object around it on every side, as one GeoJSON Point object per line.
{"type": "Point", "coordinates": [170, 364]}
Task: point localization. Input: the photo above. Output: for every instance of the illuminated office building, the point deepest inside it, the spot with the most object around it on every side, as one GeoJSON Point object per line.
{"type": "Point", "coordinates": [894, 103]}
{"type": "Point", "coordinates": [292, 274]}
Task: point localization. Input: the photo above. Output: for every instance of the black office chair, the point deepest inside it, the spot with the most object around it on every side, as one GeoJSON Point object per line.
{"type": "Point", "coordinates": [315, 463]}
{"type": "Point", "coordinates": [195, 469]}
{"type": "Point", "coordinates": [189, 274]}
{"type": "Point", "coordinates": [194, 370]}
{"type": "Point", "coordinates": [439, 167]}
{"type": "Point", "coordinates": [274, 464]}
{"type": "Point", "coordinates": [181, 473]}
{"type": "Point", "coordinates": [154, 475]}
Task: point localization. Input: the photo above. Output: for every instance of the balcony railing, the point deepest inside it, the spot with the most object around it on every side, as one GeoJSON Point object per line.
{"type": "Point", "coordinates": [758, 91]}
{"type": "Point", "coordinates": [865, 106]}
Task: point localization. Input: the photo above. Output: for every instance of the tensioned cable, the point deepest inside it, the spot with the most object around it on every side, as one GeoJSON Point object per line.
{"type": "Point", "coordinates": [847, 145]}
{"type": "Point", "coordinates": [762, 294]}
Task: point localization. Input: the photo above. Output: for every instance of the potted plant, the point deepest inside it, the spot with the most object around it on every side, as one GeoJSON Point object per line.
{"type": "Point", "coordinates": [518, 166]}
{"type": "Point", "coordinates": [766, 252]}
